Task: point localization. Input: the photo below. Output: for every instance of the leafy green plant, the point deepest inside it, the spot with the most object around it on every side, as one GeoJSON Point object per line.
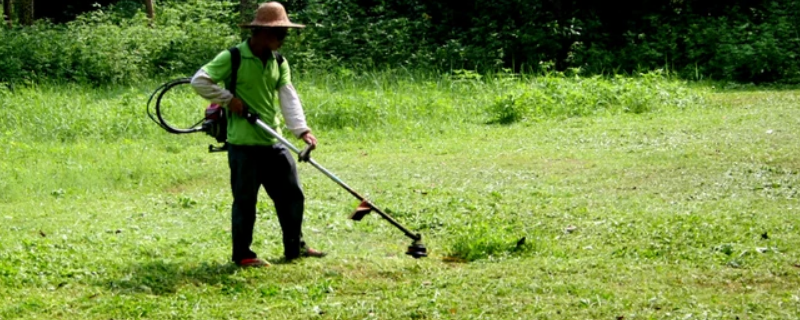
{"type": "Point", "coordinates": [559, 96]}
{"type": "Point", "coordinates": [487, 240]}
{"type": "Point", "coordinates": [509, 109]}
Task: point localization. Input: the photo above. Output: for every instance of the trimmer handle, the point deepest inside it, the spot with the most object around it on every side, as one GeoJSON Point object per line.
{"type": "Point", "coordinates": [250, 116]}
{"type": "Point", "coordinates": [302, 156]}
{"type": "Point", "coordinates": [305, 155]}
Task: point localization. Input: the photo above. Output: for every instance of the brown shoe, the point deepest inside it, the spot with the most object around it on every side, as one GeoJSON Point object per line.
{"type": "Point", "coordinates": [308, 252]}
{"type": "Point", "coordinates": [252, 263]}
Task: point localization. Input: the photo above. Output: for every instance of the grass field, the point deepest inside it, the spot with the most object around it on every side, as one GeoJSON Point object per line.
{"type": "Point", "coordinates": [657, 213]}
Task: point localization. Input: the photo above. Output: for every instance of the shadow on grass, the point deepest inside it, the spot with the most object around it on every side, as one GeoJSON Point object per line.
{"type": "Point", "coordinates": [163, 278]}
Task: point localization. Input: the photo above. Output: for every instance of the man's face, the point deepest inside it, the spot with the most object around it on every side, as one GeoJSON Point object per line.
{"type": "Point", "coordinates": [271, 37]}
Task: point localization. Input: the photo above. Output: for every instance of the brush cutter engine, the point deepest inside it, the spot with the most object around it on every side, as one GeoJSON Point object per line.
{"type": "Point", "coordinates": [215, 123]}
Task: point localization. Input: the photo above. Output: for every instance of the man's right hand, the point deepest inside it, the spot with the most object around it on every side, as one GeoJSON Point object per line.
{"type": "Point", "coordinates": [237, 106]}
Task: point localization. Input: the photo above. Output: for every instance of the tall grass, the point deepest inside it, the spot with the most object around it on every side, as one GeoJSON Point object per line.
{"type": "Point", "coordinates": [409, 102]}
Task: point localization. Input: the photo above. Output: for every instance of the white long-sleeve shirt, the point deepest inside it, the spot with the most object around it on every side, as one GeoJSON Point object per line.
{"type": "Point", "coordinates": [291, 108]}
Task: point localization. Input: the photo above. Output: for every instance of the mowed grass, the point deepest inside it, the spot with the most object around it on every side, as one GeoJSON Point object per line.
{"type": "Point", "coordinates": [674, 213]}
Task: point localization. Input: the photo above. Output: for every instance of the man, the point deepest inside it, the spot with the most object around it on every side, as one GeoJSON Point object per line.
{"type": "Point", "coordinates": [256, 158]}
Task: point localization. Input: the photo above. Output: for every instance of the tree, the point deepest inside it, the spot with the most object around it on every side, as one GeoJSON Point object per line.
{"type": "Point", "coordinates": [150, 12]}
{"type": "Point", "coordinates": [25, 12]}
{"type": "Point", "coordinates": [7, 12]}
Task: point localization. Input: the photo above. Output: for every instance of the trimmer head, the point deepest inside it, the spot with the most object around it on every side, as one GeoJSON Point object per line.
{"type": "Point", "coordinates": [417, 250]}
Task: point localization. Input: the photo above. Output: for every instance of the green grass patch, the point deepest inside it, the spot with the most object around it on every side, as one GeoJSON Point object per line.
{"type": "Point", "coordinates": [677, 212]}
{"type": "Point", "coordinates": [487, 241]}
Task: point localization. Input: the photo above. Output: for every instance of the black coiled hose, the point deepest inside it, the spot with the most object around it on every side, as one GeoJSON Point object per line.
{"type": "Point", "coordinates": [158, 119]}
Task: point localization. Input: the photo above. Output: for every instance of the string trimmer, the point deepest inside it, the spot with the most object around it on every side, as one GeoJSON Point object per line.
{"type": "Point", "coordinates": [215, 125]}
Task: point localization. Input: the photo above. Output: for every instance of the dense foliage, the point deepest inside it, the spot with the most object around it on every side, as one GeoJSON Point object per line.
{"type": "Point", "coordinates": [741, 40]}
{"type": "Point", "coordinates": [115, 45]}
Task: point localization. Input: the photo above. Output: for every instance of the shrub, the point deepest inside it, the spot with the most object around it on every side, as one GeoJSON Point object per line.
{"type": "Point", "coordinates": [733, 40]}
{"type": "Point", "coordinates": [558, 96]}
{"type": "Point", "coordinates": [117, 45]}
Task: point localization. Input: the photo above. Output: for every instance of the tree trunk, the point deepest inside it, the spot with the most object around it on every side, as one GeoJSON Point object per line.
{"type": "Point", "coordinates": [150, 11]}
{"type": "Point", "coordinates": [25, 12]}
{"type": "Point", "coordinates": [7, 13]}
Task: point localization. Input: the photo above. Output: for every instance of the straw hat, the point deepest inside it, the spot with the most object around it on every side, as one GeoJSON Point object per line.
{"type": "Point", "coordinates": [271, 14]}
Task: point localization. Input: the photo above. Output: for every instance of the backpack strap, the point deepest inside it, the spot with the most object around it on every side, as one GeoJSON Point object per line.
{"type": "Point", "coordinates": [236, 60]}
{"type": "Point", "coordinates": [279, 59]}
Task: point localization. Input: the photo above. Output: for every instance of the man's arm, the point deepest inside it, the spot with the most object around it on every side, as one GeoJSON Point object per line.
{"type": "Point", "coordinates": [205, 86]}
{"type": "Point", "coordinates": [292, 110]}
{"type": "Point", "coordinates": [205, 80]}
{"type": "Point", "coordinates": [291, 107]}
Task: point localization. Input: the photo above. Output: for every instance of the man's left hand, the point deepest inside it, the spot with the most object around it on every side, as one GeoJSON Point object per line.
{"type": "Point", "coordinates": [310, 139]}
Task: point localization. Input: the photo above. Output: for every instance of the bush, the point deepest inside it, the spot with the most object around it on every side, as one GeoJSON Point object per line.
{"type": "Point", "coordinates": [732, 40]}
{"type": "Point", "coordinates": [557, 95]}
{"type": "Point", "coordinates": [743, 41]}
{"type": "Point", "coordinates": [117, 45]}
